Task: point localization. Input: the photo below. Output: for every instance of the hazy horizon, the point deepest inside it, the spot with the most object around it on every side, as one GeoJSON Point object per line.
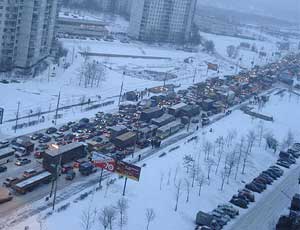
{"type": "Point", "coordinates": [287, 9]}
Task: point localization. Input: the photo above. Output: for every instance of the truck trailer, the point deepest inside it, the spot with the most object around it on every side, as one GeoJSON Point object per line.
{"type": "Point", "coordinates": [28, 184]}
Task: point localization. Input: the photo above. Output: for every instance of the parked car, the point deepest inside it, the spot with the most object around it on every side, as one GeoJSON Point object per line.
{"type": "Point", "coordinates": [45, 139]}
{"type": "Point", "coordinates": [22, 161]}
{"type": "Point", "coordinates": [259, 184]}
{"type": "Point", "coordinates": [229, 210]}
{"type": "Point", "coordinates": [239, 202]}
{"type": "Point", "coordinates": [64, 128]}
{"type": "Point", "coordinates": [283, 164]}
{"type": "Point", "coordinates": [3, 168]}
{"type": "Point", "coordinates": [253, 188]}
{"type": "Point", "coordinates": [247, 193]}
{"type": "Point", "coordinates": [4, 144]}
{"type": "Point", "coordinates": [65, 168]}
{"type": "Point", "coordinates": [77, 163]}
{"type": "Point", "coordinates": [51, 130]}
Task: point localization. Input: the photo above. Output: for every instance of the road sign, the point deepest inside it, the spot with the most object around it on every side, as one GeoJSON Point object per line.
{"type": "Point", "coordinates": [128, 170]}
{"type": "Point", "coordinates": [1, 115]}
{"type": "Point", "coordinates": [103, 162]}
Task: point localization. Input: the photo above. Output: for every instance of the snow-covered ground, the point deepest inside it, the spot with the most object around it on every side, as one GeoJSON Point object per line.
{"type": "Point", "coordinates": [156, 188]}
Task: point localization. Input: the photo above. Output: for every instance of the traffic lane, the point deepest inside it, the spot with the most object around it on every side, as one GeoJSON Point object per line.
{"type": "Point", "coordinates": [17, 171]}
{"type": "Point", "coordinates": [268, 208]}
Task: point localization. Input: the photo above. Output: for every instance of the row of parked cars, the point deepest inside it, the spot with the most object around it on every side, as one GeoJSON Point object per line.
{"type": "Point", "coordinates": [220, 216]}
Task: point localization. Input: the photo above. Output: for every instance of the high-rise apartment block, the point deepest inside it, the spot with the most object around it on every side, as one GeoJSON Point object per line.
{"type": "Point", "coordinates": [162, 20]}
{"type": "Point", "coordinates": [27, 30]}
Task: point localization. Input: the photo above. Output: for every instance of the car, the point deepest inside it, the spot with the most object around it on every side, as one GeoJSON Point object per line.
{"type": "Point", "coordinates": [22, 161]}
{"type": "Point", "coordinates": [64, 128]}
{"type": "Point", "coordinates": [29, 172]}
{"type": "Point", "coordinates": [259, 184]}
{"type": "Point", "coordinates": [45, 139]}
{"type": "Point", "coordinates": [266, 177]}
{"type": "Point", "coordinates": [9, 181]}
{"type": "Point", "coordinates": [3, 168]}
{"type": "Point", "coordinates": [229, 210]}
{"type": "Point", "coordinates": [253, 188]}
{"type": "Point", "coordinates": [4, 144]}
{"type": "Point", "coordinates": [77, 163]}
{"type": "Point", "coordinates": [276, 168]}
{"type": "Point", "coordinates": [241, 196]}
{"type": "Point", "coordinates": [38, 154]}
{"type": "Point", "coordinates": [270, 174]}
{"type": "Point", "coordinates": [51, 130]}
{"type": "Point", "coordinates": [283, 164]}
{"type": "Point", "coordinates": [65, 168]}
{"type": "Point", "coordinates": [296, 146]}
{"type": "Point", "coordinates": [248, 194]}
{"type": "Point", "coordinates": [37, 136]}
{"type": "Point", "coordinates": [239, 202]}
{"type": "Point", "coordinates": [261, 180]}
{"type": "Point", "coordinates": [70, 175]}
{"type": "Point", "coordinates": [42, 147]}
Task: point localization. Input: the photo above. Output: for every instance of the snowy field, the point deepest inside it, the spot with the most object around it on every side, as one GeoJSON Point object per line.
{"type": "Point", "coordinates": [159, 178]}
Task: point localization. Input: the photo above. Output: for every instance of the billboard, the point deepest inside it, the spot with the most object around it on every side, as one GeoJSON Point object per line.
{"type": "Point", "coordinates": [104, 162]}
{"type": "Point", "coordinates": [212, 66]}
{"type": "Point", "coordinates": [1, 115]}
{"type": "Point", "coordinates": [128, 170]}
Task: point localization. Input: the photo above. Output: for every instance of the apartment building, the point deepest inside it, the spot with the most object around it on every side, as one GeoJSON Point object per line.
{"type": "Point", "coordinates": [122, 7]}
{"type": "Point", "coordinates": [27, 29]}
{"type": "Point", "coordinates": [162, 20]}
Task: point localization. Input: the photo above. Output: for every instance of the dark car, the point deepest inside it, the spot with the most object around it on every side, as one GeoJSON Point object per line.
{"type": "Point", "coordinates": [66, 168]}
{"type": "Point", "coordinates": [3, 168]}
{"type": "Point", "coordinates": [9, 181]}
{"type": "Point", "coordinates": [22, 161]}
{"type": "Point", "coordinates": [247, 193]}
{"type": "Point", "coordinates": [266, 177]}
{"type": "Point", "coordinates": [239, 202]}
{"type": "Point", "coordinates": [70, 175]}
{"type": "Point", "coordinates": [271, 174]}
{"type": "Point", "coordinates": [259, 184]}
{"type": "Point", "coordinates": [36, 136]}
{"type": "Point", "coordinates": [283, 164]}
{"type": "Point", "coordinates": [51, 130]}
{"type": "Point", "coordinates": [253, 188]}
{"type": "Point", "coordinates": [45, 139]}
{"type": "Point", "coordinates": [64, 128]}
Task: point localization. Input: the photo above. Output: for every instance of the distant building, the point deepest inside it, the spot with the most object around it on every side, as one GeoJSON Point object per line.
{"type": "Point", "coordinates": [162, 20]}
{"type": "Point", "coordinates": [26, 32]}
{"type": "Point", "coordinates": [122, 7]}
{"type": "Point", "coordinates": [81, 27]}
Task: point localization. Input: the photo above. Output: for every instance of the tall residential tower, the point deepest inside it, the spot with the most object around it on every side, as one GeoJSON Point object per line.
{"type": "Point", "coordinates": [162, 20]}
{"type": "Point", "coordinates": [27, 29]}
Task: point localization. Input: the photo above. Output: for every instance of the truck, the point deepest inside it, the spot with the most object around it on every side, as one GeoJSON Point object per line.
{"type": "Point", "coordinates": [125, 140]}
{"type": "Point", "coordinates": [169, 129]}
{"type": "Point", "coordinates": [6, 155]}
{"type": "Point", "coordinates": [63, 155]}
{"type": "Point", "coordinates": [25, 185]}
{"type": "Point", "coordinates": [5, 195]}
{"type": "Point", "coordinates": [87, 168]}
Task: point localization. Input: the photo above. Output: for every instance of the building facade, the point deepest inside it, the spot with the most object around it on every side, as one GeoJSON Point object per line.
{"type": "Point", "coordinates": [162, 20]}
{"type": "Point", "coordinates": [27, 29]}
{"type": "Point", "coordinates": [122, 7]}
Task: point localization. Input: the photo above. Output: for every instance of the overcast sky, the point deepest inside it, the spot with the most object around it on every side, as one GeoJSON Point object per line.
{"type": "Point", "coordinates": [287, 9]}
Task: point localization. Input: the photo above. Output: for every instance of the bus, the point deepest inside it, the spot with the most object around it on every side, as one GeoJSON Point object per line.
{"type": "Point", "coordinates": [6, 155]}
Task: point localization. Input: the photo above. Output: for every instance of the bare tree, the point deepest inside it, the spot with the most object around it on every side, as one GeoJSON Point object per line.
{"type": "Point", "coordinates": [209, 163]}
{"type": "Point", "coordinates": [241, 147]}
{"type": "Point", "coordinates": [231, 161]}
{"type": "Point", "coordinates": [87, 219]}
{"type": "Point", "coordinates": [169, 176]}
{"type": "Point", "coordinates": [161, 180]}
{"type": "Point", "coordinates": [207, 148]}
{"type": "Point", "coordinates": [260, 132]}
{"type": "Point", "coordinates": [220, 145]}
{"type": "Point", "coordinates": [200, 181]}
{"type": "Point", "coordinates": [251, 137]}
{"type": "Point", "coordinates": [175, 174]}
{"type": "Point", "coordinates": [223, 178]}
{"type": "Point", "coordinates": [188, 189]}
{"type": "Point", "coordinates": [230, 137]}
{"type": "Point", "coordinates": [103, 218]}
{"type": "Point", "coordinates": [194, 171]}
{"type": "Point", "coordinates": [122, 206]}
{"type": "Point", "coordinates": [271, 142]}
{"type": "Point", "coordinates": [288, 141]}
{"type": "Point", "coordinates": [150, 216]}
{"type": "Point", "coordinates": [188, 162]}
{"type": "Point", "coordinates": [177, 193]}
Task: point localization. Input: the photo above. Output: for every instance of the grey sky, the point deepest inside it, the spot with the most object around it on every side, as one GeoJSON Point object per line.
{"type": "Point", "coordinates": [287, 9]}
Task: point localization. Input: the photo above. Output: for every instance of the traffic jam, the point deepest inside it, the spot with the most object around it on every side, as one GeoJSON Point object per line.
{"type": "Point", "coordinates": [144, 120]}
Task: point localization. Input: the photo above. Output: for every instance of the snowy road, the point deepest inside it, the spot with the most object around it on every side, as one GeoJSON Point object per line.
{"type": "Point", "coordinates": [266, 211]}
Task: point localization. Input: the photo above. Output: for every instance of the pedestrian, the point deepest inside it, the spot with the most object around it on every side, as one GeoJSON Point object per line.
{"type": "Point", "coordinates": [197, 127]}
{"type": "Point", "coordinates": [140, 157]}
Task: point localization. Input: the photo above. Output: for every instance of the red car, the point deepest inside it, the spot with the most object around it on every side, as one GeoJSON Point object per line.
{"type": "Point", "coordinates": [77, 163]}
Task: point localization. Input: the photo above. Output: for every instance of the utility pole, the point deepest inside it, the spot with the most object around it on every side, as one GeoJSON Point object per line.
{"type": "Point", "coordinates": [121, 91]}
{"type": "Point", "coordinates": [58, 169]}
{"type": "Point", "coordinates": [17, 117]}
{"type": "Point", "coordinates": [73, 53]}
{"type": "Point", "coordinates": [49, 73]}
{"type": "Point", "coordinates": [57, 107]}
{"type": "Point", "coordinates": [194, 75]}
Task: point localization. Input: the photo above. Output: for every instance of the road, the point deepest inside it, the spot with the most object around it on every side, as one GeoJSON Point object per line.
{"type": "Point", "coordinates": [264, 214]}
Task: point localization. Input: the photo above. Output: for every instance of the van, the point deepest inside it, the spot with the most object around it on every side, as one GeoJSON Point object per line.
{"type": "Point", "coordinates": [21, 152]}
